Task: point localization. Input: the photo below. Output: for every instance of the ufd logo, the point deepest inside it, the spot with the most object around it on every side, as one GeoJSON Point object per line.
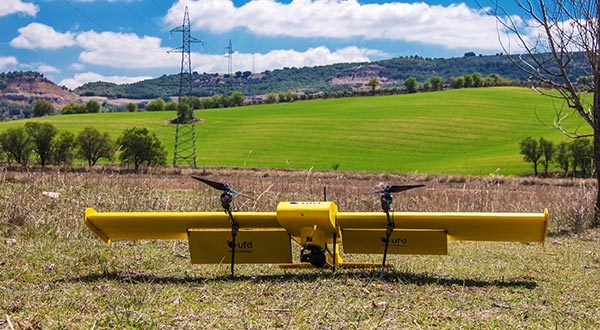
{"type": "Point", "coordinates": [240, 245]}
{"type": "Point", "coordinates": [395, 241]}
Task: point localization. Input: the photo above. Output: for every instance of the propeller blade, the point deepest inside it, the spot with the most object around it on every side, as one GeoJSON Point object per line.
{"type": "Point", "coordinates": [216, 185]}
{"type": "Point", "coordinates": [376, 192]}
{"type": "Point", "coordinates": [395, 188]}
{"type": "Point", "coordinates": [404, 187]}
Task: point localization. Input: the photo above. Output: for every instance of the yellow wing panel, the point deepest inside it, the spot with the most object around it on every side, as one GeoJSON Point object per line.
{"type": "Point", "coordinates": [168, 225]}
{"type": "Point", "coordinates": [403, 241]}
{"type": "Point", "coordinates": [466, 226]}
{"type": "Point", "coordinates": [264, 246]}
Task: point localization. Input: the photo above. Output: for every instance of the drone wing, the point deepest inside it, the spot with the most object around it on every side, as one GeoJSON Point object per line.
{"type": "Point", "coordinates": [261, 239]}
{"type": "Point", "coordinates": [428, 232]}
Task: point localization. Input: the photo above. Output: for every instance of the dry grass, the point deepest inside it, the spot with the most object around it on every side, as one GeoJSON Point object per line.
{"type": "Point", "coordinates": [55, 274]}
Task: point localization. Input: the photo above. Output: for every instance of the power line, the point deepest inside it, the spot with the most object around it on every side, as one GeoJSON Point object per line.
{"type": "Point", "coordinates": [105, 29]}
{"type": "Point", "coordinates": [138, 15]}
{"type": "Point", "coordinates": [102, 27]}
{"type": "Point", "coordinates": [162, 10]}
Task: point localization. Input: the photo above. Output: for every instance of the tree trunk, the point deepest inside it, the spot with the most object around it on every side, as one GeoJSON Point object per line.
{"type": "Point", "coordinates": [596, 116]}
{"type": "Point", "coordinates": [595, 63]}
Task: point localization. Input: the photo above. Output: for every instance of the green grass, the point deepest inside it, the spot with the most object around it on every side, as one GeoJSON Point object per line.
{"type": "Point", "coordinates": [55, 274]}
{"type": "Point", "coordinates": [468, 131]}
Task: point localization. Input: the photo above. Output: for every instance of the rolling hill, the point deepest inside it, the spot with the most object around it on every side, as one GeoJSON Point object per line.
{"type": "Point", "coordinates": [469, 131]}
{"type": "Point", "coordinates": [20, 90]}
{"type": "Point", "coordinates": [349, 77]}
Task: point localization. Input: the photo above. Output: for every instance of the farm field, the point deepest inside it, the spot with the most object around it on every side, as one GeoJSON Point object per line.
{"type": "Point", "coordinates": [54, 273]}
{"type": "Point", "coordinates": [469, 131]}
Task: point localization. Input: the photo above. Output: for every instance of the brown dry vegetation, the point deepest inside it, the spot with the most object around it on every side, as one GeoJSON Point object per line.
{"type": "Point", "coordinates": [569, 201]}
{"type": "Point", "coordinates": [54, 273]}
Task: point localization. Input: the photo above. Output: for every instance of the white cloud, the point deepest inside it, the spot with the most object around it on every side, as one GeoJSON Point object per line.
{"type": "Point", "coordinates": [82, 78]}
{"type": "Point", "coordinates": [121, 50]}
{"type": "Point", "coordinates": [277, 59]}
{"type": "Point", "coordinates": [36, 35]}
{"type": "Point", "coordinates": [6, 61]}
{"type": "Point", "coordinates": [453, 26]}
{"type": "Point", "coordinates": [8, 7]}
{"type": "Point", "coordinates": [45, 68]}
{"type": "Point", "coordinates": [129, 51]}
{"type": "Point", "coordinates": [241, 62]}
{"type": "Point", "coordinates": [76, 66]}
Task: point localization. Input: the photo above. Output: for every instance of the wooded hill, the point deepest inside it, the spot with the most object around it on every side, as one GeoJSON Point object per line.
{"type": "Point", "coordinates": [19, 90]}
{"type": "Point", "coordinates": [349, 77]}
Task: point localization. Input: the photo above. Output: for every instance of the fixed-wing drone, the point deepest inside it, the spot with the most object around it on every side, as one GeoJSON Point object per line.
{"type": "Point", "coordinates": [320, 230]}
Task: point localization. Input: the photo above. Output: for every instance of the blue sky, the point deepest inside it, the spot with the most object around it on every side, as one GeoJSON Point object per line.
{"type": "Point", "coordinates": [77, 41]}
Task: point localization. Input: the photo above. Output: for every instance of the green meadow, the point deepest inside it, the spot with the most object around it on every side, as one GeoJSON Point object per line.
{"type": "Point", "coordinates": [469, 131]}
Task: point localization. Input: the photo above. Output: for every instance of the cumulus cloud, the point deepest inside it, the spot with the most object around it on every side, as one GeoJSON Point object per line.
{"type": "Point", "coordinates": [82, 78]}
{"type": "Point", "coordinates": [277, 59]}
{"type": "Point", "coordinates": [6, 61]}
{"type": "Point", "coordinates": [45, 68]}
{"type": "Point", "coordinates": [8, 7]}
{"type": "Point", "coordinates": [129, 51]}
{"type": "Point", "coordinates": [123, 50]}
{"type": "Point", "coordinates": [201, 62]}
{"type": "Point", "coordinates": [453, 26]}
{"type": "Point", "coordinates": [36, 35]}
{"type": "Point", "coordinates": [346, 22]}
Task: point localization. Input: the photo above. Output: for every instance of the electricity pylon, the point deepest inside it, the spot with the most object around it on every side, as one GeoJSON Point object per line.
{"type": "Point", "coordinates": [185, 133]}
{"type": "Point", "coordinates": [229, 58]}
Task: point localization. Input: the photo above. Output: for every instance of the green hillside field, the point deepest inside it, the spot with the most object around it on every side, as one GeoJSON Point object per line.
{"type": "Point", "coordinates": [468, 131]}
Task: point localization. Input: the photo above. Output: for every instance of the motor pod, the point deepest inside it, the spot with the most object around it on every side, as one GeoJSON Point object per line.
{"type": "Point", "coordinates": [309, 223]}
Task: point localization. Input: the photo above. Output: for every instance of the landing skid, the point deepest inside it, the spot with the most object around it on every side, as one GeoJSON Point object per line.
{"type": "Point", "coordinates": [351, 265]}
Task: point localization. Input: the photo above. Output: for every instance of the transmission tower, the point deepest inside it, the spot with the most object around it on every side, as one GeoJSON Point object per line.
{"type": "Point", "coordinates": [185, 133]}
{"type": "Point", "coordinates": [229, 58]}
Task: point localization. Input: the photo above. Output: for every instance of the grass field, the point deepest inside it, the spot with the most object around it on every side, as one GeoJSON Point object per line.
{"type": "Point", "coordinates": [468, 131]}
{"type": "Point", "coordinates": [55, 274]}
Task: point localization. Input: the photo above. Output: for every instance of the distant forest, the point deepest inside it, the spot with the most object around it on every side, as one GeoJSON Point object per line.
{"type": "Point", "coordinates": [210, 90]}
{"type": "Point", "coordinates": [333, 78]}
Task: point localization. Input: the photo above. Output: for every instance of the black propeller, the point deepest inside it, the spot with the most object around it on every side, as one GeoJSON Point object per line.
{"type": "Point", "coordinates": [216, 185]}
{"type": "Point", "coordinates": [226, 196]}
{"type": "Point", "coordinates": [386, 194]}
{"type": "Point", "coordinates": [395, 188]}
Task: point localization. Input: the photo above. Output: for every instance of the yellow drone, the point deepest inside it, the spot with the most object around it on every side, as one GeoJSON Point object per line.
{"type": "Point", "coordinates": [321, 231]}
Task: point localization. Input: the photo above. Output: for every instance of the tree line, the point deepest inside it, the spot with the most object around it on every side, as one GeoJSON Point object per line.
{"type": "Point", "coordinates": [574, 157]}
{"type": "Point", "coordinates": [311, 80]}
{"type": "Point", "coordinates": [42, 107]}
{"type": "Point", "coordinates": [49, 146]}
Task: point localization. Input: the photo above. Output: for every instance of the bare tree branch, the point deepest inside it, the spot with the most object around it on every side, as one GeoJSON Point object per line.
{"type": "Point", "coordinates": [554, 37]}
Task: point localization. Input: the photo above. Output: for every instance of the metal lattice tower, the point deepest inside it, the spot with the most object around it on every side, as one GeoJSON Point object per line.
{"type": "Point", "coordinates": [185, 134]}
{"type": "Point", "coordinates": [229, 58]}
